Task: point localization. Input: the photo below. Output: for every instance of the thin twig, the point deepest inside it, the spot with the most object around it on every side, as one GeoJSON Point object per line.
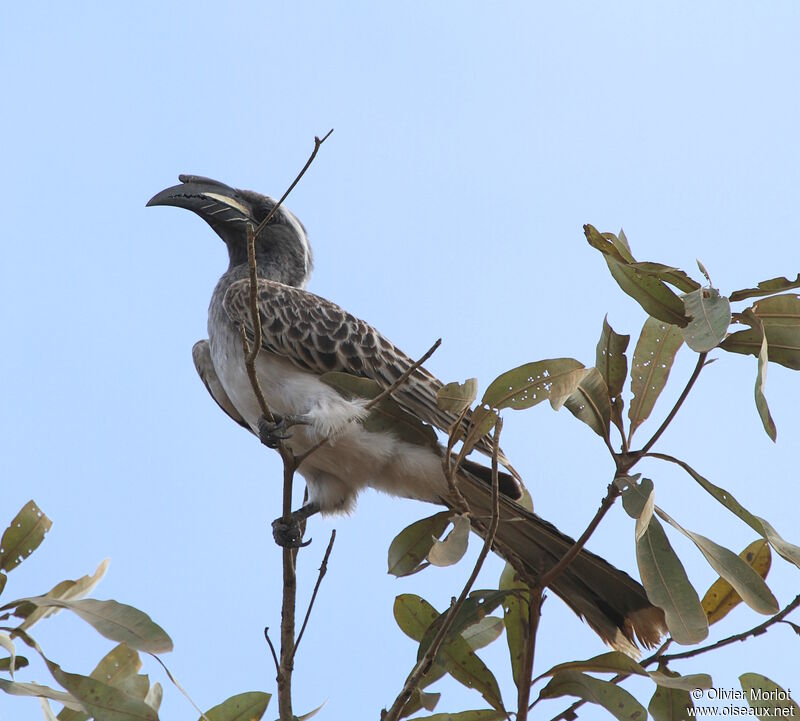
{"type": "Point", "coordinates": [322, 571]}
{"type": "Point", "coordinates": [377, 399]}
{"type": "Point", "coordinates": [317, 143]}
{"type": "Point", "coordinates": [701, 360]}
{"type": "Point", "coordinates": [272, 650]}
{"type": "Point", "coordinates": [575, 549]}
{"type": "Point", "coordinates": [424, 664]}
{"type": "Point", "coordinates": [403, 378]}
{"type": "Point", "coordinates": [755, 631]}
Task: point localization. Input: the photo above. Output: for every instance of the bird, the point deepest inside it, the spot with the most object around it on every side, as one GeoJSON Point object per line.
{"type": "Point", "coordinates": [304, 339]}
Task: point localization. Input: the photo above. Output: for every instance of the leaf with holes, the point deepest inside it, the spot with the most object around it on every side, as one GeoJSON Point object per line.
{"type": "Point", "coordinates": [530, 384]}
{"type": "Point", "coordinates": [452, 548]}
{"type": "Point", "coordinates": [652, 361]}
{"type": "Point", "coordinates": [611, 361]}
{"type": "Point", "coordinates": [589, 402]}
{"type": "Point", "coordinates": [23, 536]}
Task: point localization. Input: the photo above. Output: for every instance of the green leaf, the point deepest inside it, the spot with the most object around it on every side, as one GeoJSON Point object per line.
{"type": "Point", "coordinates": [652, 360]}
{"type": "Point", "coordinates": [761, 381]}
{"type": "Point", "coordinates": [589, 402]}
{"type": "Point", "coordinates": [787, 550]}
{"type": "Point", "coordinates": [416, 617]}
{"type": "Point", "coordinates": [610, 662]}
{"type": "Point", "coordinates": [19, 662]}
{"type": "Point", "coordinates": [482, 421]}
{"type": "Point", "coordinates": [710, 315]}
{"type": "Point", "coordinates": [249, 706]}
{"type": "Point", "coordinates": [66, 590]}
{"type": "Point", "coordinates": [413, 615]}
{"type": "Point", "coordinates": [15, 688]}
{"type": "Point", "coordinates": [611, 361]}
{"type": "Point", "coordinates": [671, 704]}
{"type": "Point", "coordinates": [118, 668]}
{"type": "Point", "coordinates": [456, 397]}
{"type": "Point", "coordinates": [410, 547]}
{"type": "Point", "coordinates": [681, 683]}
{"type": "Point", "coordinates": [452, 548]}
{"type": "Point", "coordinates": [662, 572]}
{"type": "Point", "coordinates": [478, 715]}
{"type": "Point", "coordinates": [766, 287]}
{"type": "Point", "coordinates": [765, 695]}
{"type": "Point", "coordinates": [23, 536]}
{"type": "Point", "coordinates": [644, 287]}
{"type": "Point", "coordinates": [530, 384]}
{"type": "Point", "coordinates": [617, 701]}
{"type": "Point", "coordinates": [734, 569]}
{"type": "Point", "coordinates": [113, 620]}
{"type": "Point", "coordinates": [721, 598]}
{"type": "Point", "coordinates": [386, 415]}
{"type": "Point", "coordinates": [3, 579]}
{"type": "Point", "coordinates": [101, 701]}
{"type": "Point", "coordinates": [484, 632]}
{"type": "Point", "coordinates": [516, 617]}
{"type": "Point", "coordinates": [673, 276]}
{"type": "Point", "coordinates": [780, 315]}
{"type": "Point", "coordinates": [620, 242]}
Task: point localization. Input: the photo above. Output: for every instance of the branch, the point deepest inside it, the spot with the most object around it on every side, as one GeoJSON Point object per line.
{"type": "Point", "coordinates": [425, 663]}
{"type": "Point", "coordinates": [403, 378]}
{"type": "Point", "coordinates": [577, 547]}
{"type": "Point", "coordinates": [755, 631]}
{"type": "Point", "coordinates": [323, 569]}
{"type": "Point", "coordinates": [701, 361]}
{"type": "Point", "coordinates": [317, 143]}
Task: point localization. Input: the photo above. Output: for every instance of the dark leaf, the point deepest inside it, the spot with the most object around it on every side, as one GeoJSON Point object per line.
{"type": "Point", "coordinates": [766, 287]}
{"type": "Point", "coordinates": [23, 536]}
{"type": "Point", "coordinates": [589, 402]}
{"type": "Point", "coordinates": [617, 701]}
{"type": "Point", "coordinates": [249, 706]}
{"type": "Point", "coordinates": [410, 547]}
{"type": "Point", "coordinates": [611, 361]}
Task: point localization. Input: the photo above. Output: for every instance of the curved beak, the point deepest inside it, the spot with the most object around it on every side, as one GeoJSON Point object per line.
{"type": "Point", "coordinates": [216, 203]}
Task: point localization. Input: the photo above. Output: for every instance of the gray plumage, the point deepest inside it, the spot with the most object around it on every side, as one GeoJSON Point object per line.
{"type": "Point", "coordinates": [305, 336]}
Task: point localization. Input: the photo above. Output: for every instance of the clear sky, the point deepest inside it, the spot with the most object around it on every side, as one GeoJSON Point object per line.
{"type": "Point", "coordinates": [472, 141]}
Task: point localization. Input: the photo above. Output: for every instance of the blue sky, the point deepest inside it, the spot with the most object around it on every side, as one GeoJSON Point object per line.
{"type": "Point", "coordinates": [472, 141]}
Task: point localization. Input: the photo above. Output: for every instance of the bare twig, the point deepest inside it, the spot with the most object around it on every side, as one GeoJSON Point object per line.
{"type": "Point", "coordinates": [755, 631]}
{"type": "Point", "coordinates": [575, 549]}
{"type": "Point", "coordinates": [425, 663]}
{"type": "Point", "coordinates": [322, 571]}
{"type": "Point", "coordinates": [272, 650]}
{"type": "Point", "coordinates": [701, 360]}
{"type": "Point", "coordinates": [317, 144]}
{"type": "Point", "coordinates": [403, 378]}
{"type": "Point", "coordinates": [377, 399]}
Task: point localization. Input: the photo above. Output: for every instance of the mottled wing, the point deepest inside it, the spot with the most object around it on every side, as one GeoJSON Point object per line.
{"type": "Point", "coordinates": [319, 336]}
{"type": "Point", "coordinates": [201, 354]}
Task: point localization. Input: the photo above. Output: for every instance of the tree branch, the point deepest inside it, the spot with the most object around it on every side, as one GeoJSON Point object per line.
{"type": "Point", "coordinates": [323, 569]}
{"type": "Point", "coordinates": [425, 663]}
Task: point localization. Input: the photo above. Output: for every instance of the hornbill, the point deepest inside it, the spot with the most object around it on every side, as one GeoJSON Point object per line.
{"type": "Point", "coordinates": [305, 336]}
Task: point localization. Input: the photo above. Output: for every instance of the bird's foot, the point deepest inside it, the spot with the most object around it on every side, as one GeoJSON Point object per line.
{"type": "Point", "coordinates": [288, 532]}
{"type": "Point", "coordinates": [273, 432]}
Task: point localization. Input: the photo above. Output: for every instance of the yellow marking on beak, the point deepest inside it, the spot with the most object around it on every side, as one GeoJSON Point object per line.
{"type": "Point", "coordinates": [230, 202]}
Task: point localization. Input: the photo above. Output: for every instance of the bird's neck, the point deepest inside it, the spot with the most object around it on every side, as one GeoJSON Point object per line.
{"type": "Point", "coordinates": [279, 256]}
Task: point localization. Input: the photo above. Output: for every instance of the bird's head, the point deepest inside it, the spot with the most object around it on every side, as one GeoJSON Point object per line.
{"type": "Point", "coordinates": [282, 247]}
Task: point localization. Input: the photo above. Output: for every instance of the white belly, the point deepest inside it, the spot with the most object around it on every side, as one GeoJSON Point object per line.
{"type": "Point", "coordinates": [353, 458]}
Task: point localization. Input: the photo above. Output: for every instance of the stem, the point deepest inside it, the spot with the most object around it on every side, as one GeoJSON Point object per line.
{"type": "Point", "coordinates": [526, 672]}
{"type": "Point", "coordinates": [425, 663]}
{"type": "Point", "coordinates": [701, 360]}
{"type": "Point", "coordinates": [323, 569]}
{"type": "Point", "coordinates": [566, 559]}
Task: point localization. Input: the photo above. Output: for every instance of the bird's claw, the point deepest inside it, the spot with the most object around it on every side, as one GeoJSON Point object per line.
{"type": "Point", "coordinates": [273, 432]}
{"type": "Point", "coordinates": [288, 533]}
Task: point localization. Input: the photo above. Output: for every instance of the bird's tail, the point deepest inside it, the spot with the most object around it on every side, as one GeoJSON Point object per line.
{"type": "Point", "coordinates": [610, 601]}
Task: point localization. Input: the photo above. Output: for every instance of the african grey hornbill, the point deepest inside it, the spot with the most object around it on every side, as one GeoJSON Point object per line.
{"type": "Point", "coordinates": [305, 336]}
